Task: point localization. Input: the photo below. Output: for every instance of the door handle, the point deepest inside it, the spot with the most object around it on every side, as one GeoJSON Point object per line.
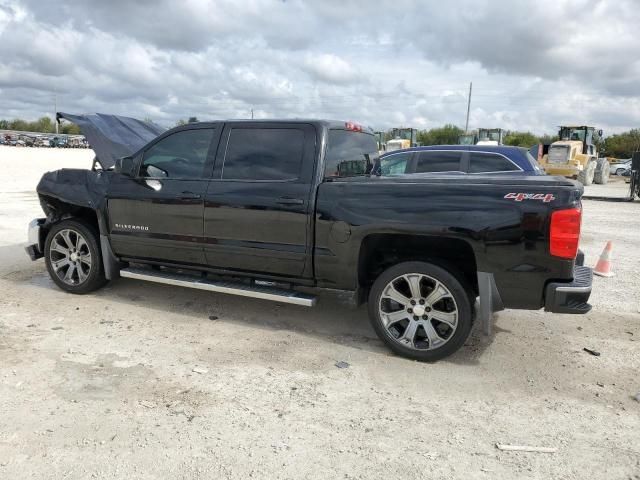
{"type": "Point", "coordinates": [290, 201]}
{"type": "Point", "coordinates": [189, 196]}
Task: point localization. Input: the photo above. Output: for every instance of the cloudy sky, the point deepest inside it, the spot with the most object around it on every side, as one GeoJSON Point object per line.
{"type": "Point", "coordinates": [534, 65]}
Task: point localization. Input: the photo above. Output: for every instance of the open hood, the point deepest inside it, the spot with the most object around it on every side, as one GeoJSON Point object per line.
{"type": "Point", "coordinates": [113, 136]}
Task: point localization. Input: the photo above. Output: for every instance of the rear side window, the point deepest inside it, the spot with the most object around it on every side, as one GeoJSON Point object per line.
{"type": "Point", "coordinates": [443, 161]}
{"type": "Point", "coordinates": [263, 154]}
{"type": "Point", "coordinates": [350, 153]}
{"type": "Point", "coordinates": [490, 162]}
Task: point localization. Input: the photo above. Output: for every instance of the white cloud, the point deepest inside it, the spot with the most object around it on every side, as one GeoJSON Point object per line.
{"type": "Point", "coordinates": [534, 66]}
{"type": "Point", "coordinates": [330, 68]}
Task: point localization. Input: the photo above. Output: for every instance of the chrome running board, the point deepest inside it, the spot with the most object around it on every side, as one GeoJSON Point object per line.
{"type": "Point", "coordinates": [254, 291]}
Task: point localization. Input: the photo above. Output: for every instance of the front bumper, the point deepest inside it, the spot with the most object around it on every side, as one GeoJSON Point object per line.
{"type": "Point", "coordinates": [570, 297]}
{"type": "Point", "coordinates": [562, 170]}
{"type": "Point", "coordinates": [35, 244]}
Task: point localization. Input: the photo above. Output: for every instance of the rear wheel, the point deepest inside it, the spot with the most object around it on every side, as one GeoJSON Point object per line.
{"type": "Point", "coordinates": [585, 177]}
{"type": "Point", "coordinates": [603, 170]}
{"type": "Point", "coordinates": [420, 310]}
{"type": "Point", "coordinates": [620, 171]}
{"type": "Point", "coordinates": [73, 257]}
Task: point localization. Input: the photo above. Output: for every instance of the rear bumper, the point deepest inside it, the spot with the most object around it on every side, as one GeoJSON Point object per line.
{"type": "Point", "coordinates": [35, 244]}
{"type": "Point", "coordinates": [570, 297]}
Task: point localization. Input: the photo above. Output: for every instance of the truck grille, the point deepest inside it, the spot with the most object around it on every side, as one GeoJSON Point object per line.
{"type": "Point", "coordinates": [559, 154]}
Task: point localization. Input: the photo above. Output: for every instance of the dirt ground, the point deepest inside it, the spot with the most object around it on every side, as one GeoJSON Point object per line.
{"type": "Point", "coordinates": [146, 381]}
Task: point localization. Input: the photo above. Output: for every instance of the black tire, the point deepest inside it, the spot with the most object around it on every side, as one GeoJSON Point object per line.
{"type": "Point", "coordinates": [585, 177]}
{"type": "Point", "coordinates": [94, 273]}
{"type": "Point", "coordinates": [459, 292]}
{"type": "Point", "coordinates": [620, 171]}
{"type": "Point", "coordinates": [603, 170]}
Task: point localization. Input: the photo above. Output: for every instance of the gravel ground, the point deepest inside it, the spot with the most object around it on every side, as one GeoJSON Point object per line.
{"type": "Point", "coordinates": [148, 381]}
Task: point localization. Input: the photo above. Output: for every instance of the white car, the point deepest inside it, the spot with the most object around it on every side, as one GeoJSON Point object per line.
{"type": "Point", "coordinates": [619, 166]}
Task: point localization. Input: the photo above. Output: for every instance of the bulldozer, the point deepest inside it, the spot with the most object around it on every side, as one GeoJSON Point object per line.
{"type": "Point", "coordinates": [402, 138]}
{"type": "Point", "coordinates": [484, 136]}
{"type": "Point", "coordinates": [490, 136]}
{"type": "Point", "coordinates": [468, 139]}
{"type": "Point", "coordinates": [575, 156]}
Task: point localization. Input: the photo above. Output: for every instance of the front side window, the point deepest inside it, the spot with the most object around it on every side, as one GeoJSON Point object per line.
{"type": "Point", "coordinates": [395, 164]}
{"type": "Point", "coordinates": [350, 153]}
{"type": "Point", "coordinates": [442, 161]}
{"type": "Point", "coordinates": [489, 162]}
{"type": "Point", "coordinates": [180, 155]}
{"type": "Point", "coordinates": [264, 154]}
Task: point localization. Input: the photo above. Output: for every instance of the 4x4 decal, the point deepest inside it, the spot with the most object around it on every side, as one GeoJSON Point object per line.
{"type": "Point", "coordinates": [519, 197]}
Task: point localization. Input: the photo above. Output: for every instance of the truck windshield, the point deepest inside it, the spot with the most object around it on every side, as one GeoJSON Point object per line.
{"type": "Point", "coordinates": [568, 133]}
{"type": "Point", "coordinates": [350, 153]}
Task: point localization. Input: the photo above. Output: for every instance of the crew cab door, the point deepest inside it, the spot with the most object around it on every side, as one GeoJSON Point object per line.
{"type": "Point", "coordinates": [157, 214]}
{"type": "Point", "coordinates": [257, 206]}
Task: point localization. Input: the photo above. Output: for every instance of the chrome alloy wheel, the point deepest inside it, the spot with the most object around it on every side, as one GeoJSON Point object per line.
{"type": "Point", "coordinates": [418, 311]}
{"type": "Point", "coordinates": [70, 256]}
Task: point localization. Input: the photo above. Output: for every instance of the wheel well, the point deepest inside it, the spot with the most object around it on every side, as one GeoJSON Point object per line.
{"type": "Point", "coordinates": [58, 210]}
{"type": "Point", "coordinates": [380, 251]}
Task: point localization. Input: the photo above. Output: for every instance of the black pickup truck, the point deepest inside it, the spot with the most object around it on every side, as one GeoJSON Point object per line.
{"type": "Point", "coordinates": [279, 210]}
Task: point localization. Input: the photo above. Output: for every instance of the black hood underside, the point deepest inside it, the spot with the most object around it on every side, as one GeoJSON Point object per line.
{"type": "Point", "coordinates": [113, 136]}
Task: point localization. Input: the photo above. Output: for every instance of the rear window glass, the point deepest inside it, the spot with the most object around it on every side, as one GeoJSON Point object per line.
{"type": "Point", "coordinates": [443, 161]}
{"type": "Point", "coordinates": [532, 160]}
{"type": "Point", "coordinates": [350, 153]}
{"type": "Point", "coordinates": [490, 162]}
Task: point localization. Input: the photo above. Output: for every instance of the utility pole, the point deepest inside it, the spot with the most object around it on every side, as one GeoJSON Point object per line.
{"type": "Point", "coordinates": [466, 125]}
{"type": "Point", "coordinates": [55, 109]}
{"type": "Point", "coordinates": [252, 114]}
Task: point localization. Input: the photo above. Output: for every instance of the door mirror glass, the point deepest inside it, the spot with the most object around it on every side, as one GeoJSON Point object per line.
{"type": "Point", "coordinates": [125, 166]}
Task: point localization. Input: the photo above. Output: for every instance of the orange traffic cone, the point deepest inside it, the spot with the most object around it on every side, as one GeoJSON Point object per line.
{"type": "Point", "coordinates": [603, 267]}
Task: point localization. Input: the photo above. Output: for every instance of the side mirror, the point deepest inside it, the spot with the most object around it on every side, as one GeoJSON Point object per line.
{"type": "Point", "coordinates": [125, 166]}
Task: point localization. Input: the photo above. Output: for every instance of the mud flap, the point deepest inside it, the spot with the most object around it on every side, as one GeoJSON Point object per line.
{"type": "Point", "coordinates": [490, 300]}
{"type": "Point", "coordinates": [111, 263]}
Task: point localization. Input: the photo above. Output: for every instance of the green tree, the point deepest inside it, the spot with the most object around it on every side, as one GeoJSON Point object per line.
{"type": "Point", "coordinates": [18, 124]}
{"type": "Point", "coordinates": [447, 135]}
{"type": "Point", "coordinates": [181, 122]}
{"type": "Point", "coordinates": [622, 145]}
{"type": "Point", "coordinates": [43, 125]}
{"type": "Point", "coordinates": [548, 139]}
{"type": "Point", "coordinates": [193, 120]}
{"type": "Point", "coordinates": [521, 139]}
{"type": "Point", "coordinates": [70, 129]}
{"type": "Point", "coordinates": [4, 125]}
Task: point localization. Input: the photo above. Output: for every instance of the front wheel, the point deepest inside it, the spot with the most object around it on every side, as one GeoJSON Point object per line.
{"type": "Point", "coordinates": [603, 170]}
{"type": "Point", "coordinates": [585, 177]}
{"type": "Point", "coordinates": [420, 310]}
{"type": "Point", "coordinates": [73, 257]}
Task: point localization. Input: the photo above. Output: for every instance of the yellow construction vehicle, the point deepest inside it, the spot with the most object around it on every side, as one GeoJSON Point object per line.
{"type": "Point", "coordinates": [490, 136]}
{"type": "Point", "coordinates": [402, 138]}
{"type": "Point", "coordinates": [575, 156]}
{"type": "Point", "coordinates": [484, 136]}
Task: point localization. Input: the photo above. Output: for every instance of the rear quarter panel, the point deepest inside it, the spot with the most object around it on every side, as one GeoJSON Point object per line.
{"type": "Point", "coordinates": [509, 236]}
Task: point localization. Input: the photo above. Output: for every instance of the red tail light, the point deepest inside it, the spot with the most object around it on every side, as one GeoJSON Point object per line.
{"type": "Point", "coordinates": [564, 234]}
{"type": "Point", "coordinates": [354, 127]}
